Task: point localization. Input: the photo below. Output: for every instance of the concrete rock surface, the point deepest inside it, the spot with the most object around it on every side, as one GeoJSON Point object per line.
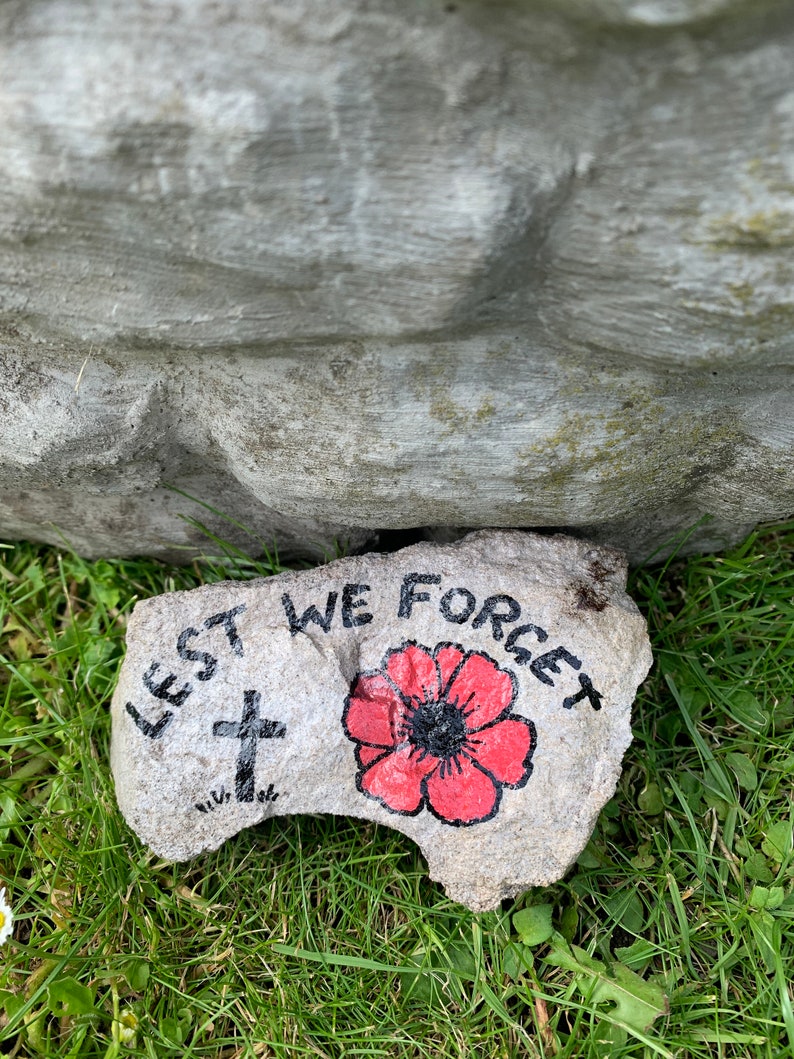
{"type": "Point", "coordinates": [475, 696]}
{"type": "Point", "coordinates": [332, 268]}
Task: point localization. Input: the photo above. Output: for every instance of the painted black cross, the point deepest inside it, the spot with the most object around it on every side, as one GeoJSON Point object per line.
{"type": "Point", "coordinates": [248, 731]}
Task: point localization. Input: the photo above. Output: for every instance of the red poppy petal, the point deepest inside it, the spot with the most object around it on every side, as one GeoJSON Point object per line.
{"type": "Point", "coordinates": [448, 658]}
{"type": "Point", "coordinates": [396, 779]}
{"type": "Point", "coordinates": [503, 750]}
{"type": "Point", "coordinates": [374, 711]}
{"type": "Point", "coordinates": [367, 754]}
{"type": "Point", "coordinates": [482, 690]}
{"type": "Point", "coordinates": [414, 672]}
{"type": "Point", "coordinates": [463, 794]}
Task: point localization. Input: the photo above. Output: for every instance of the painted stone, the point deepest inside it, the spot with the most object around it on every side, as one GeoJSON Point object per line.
{"type": "Point", "coordinates": [475, 696]}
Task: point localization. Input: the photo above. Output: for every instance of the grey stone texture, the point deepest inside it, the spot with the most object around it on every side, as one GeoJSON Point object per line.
{"type": "Point", "coordinates": [335, 267]}
{"type": "Point", "coordinates": [475, 696]}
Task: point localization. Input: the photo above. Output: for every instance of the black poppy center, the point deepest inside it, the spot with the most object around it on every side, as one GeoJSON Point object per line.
{"type": "Point", "coordinates": [438, 728]}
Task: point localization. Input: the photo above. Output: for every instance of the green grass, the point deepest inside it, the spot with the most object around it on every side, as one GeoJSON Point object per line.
{"type": "Point", "coordinates": [319, 936]}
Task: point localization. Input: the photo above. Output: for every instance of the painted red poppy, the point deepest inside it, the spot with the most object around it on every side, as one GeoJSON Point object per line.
{"type": "Point", "coordinates": [434, 729]}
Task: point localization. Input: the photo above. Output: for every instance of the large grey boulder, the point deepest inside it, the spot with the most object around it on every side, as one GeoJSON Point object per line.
{"type": "Point", "coordinates": [337, 267]}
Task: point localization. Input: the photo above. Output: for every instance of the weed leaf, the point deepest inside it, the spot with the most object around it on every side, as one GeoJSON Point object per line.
{"type": "Point", "coordinates": [533, 924]}
{"type": "Point", "coordinates": [67, 996]}
{"type": "Point", "coordinates": [757, 869]}
{"type": "Point", "coordinates": [767, 897]}
{"type": "Point", "coordinates": [745, 770]}
{"type": "Point", "coordinates": [637, 1002]}
{"type": "Point", "coordinates": [745, 708]}
{"type": "Point", "coordinates": [777, 843]}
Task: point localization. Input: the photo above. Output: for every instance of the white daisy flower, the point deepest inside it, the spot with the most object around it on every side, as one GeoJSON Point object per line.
{"type": "Point", "coordinates": [6, 917]}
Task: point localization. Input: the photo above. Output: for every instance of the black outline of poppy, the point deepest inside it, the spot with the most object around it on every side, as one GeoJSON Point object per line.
{"type": "Point", "coordinates": [504, 715]}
